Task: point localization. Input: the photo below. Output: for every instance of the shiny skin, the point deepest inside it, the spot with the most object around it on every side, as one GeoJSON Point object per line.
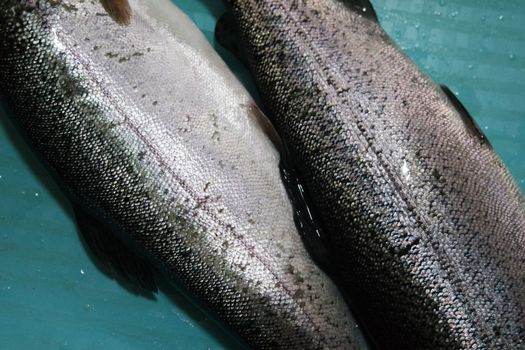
{"type": "Point", "coordinates": [424, 226]}
{"type": "Point", "coordinates": [148, 130]}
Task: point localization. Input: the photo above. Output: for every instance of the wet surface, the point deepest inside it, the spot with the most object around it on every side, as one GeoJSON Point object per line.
{"type": "Point", "coordinates": [54, 297]}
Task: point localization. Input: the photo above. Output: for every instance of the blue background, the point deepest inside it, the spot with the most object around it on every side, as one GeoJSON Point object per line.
{"type": "Point", "coordinates": [52, 296]}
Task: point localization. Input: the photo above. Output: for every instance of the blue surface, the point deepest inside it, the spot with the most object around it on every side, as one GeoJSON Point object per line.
{"type": "Point", "coordinates": [52, 296]}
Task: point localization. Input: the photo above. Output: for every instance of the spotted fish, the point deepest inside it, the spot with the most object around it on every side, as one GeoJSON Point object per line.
{"type": "Point", "coordinates": [420, 221]}
{"type": "Point", "coordinates": [169, 163]}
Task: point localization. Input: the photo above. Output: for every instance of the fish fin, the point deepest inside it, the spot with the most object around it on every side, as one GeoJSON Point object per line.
{"type": "Point", "coordinates": [363, 7]}
{"type": "Point", "coordinates": [119, 10]}
{"type": "Point", "coordinates": [266, 126]}
{"type": "Point", "coordinates": [114, 254]}
{"type": "Point", "coordinates": [227, 35]}
{"type": "Point", "coordinates": [466, 117]}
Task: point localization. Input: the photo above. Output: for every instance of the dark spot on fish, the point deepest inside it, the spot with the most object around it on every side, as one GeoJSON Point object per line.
{"type": "Point", "coordinates": [69, 8]}
{"type": "Point", "coordinates": [155, 103]}
{"type": "Point", "coordinates": [299, 293]}
{"type": "Point", "coordinates": [111, 54]}
{"type": "Point", "coordinates": [298, 279]}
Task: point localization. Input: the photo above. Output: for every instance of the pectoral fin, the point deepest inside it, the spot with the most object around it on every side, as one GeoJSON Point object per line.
{"type": "Point", "coordinates": [114, 254]}
{"type": "Point", "coordinates": [119, 10]}
{"type": "Point", "coordinates": [466, 117]}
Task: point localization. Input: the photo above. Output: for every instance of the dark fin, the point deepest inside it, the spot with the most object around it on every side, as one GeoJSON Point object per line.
{"type": "Point", "coordinates": [364, 7]}
{"type": "Point", "coordinates": [119, 10]}
{"type": "Point", "coordinates": [227, 35]}
{"type": "Point", "coordinates": [305, 217]}
{"type": "Point", "coordinates": [114, 254]}
{"type": "Point", "coordinates": [466, 117]}
{"type": "Point", "coordinates": [266, 126]}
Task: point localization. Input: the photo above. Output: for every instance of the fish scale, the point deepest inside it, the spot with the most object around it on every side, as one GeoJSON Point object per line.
{"type": "Point", "coordinates": [162, 150]}
{"type": "Point", "coordinates": [424, 226]}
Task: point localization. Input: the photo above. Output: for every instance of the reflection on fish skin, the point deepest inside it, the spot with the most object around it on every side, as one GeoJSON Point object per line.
{"type": "Point", "coordinates": [158, 143]}
{"type": "Point", "coordinates": [425, 226]}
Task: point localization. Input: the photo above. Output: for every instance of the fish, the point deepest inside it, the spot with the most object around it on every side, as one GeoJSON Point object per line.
{"type": "Point", "coordinates": [169, 164]}
{"type": "Point", "coordinates": [419, 221]}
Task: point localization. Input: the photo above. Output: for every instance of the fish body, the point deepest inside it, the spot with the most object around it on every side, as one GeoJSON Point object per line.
{"type": "Point", "coordinates": [162, 150]}
{"type": "Point", "coordinates": [424, 227]}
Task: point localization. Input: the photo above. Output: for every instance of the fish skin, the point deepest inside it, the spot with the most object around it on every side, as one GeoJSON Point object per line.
{"type": "Point", "coordinates": [424, 226]}
{"type": "Point", "coordinates": [147, 130]}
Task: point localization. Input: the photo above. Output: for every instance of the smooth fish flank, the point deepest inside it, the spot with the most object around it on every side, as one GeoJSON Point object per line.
{"type": "Point", "coordinates": [424, 226]}
{"type": "Point", "coordinates": [161, 148]}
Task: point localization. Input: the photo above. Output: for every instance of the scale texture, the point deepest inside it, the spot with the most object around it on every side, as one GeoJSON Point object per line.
{"type": "Point", "coordinates": [424, 225]}
{"type": "Point", "coordinates": [54, 297]}
{"type": "Point", "coordinates": [151, 134]}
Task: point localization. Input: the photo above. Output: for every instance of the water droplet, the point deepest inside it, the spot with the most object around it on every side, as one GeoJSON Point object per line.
{"type": "Point", "coordinates": [454, 14]}
{"type": "Point", "coordinates": [437, 13]}
{"type": "Point", "coordinates": [511, 57]}
{"type": "Point", "coordinates": [442, 2]}
{"type": "Point", "coordinates": [470, 66]}
{"type": "Point", "coordinates": [82, 272]}
{"type": "Point", "coordinates": [486, 128]}
{"type": "Point", "coordinates": [36, 194]}
{"type": "Point", "coordinates": [501, 17]}
{"type": "Point", "coordinates": [483, 18]}
{"type": "Point", "coordinates": [417, 27]}
{"type": "Point", "coordinates": [88, 307]}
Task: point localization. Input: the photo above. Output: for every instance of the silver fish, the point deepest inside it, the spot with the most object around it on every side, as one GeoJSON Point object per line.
{"type": "Point", "coordinates": [424, 228]}
{"type": "Point", "coordinates": [169, 163]}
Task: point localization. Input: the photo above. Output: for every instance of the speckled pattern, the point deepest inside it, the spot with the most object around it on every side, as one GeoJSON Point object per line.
{"type": "Point", "coordinates": [424, 224]}
{"type": "Point", "coordinates": [187, 174]}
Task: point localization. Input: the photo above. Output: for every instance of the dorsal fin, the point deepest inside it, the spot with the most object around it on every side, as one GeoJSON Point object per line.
{"type": "Point", "coordinates": [115, 254]}
{"type": "Point", "coordinates": [364, 7]}
{"type": "Point", "coordinates": [119, 10]}
{"type": "Point", "coordinates": [466, 117]}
